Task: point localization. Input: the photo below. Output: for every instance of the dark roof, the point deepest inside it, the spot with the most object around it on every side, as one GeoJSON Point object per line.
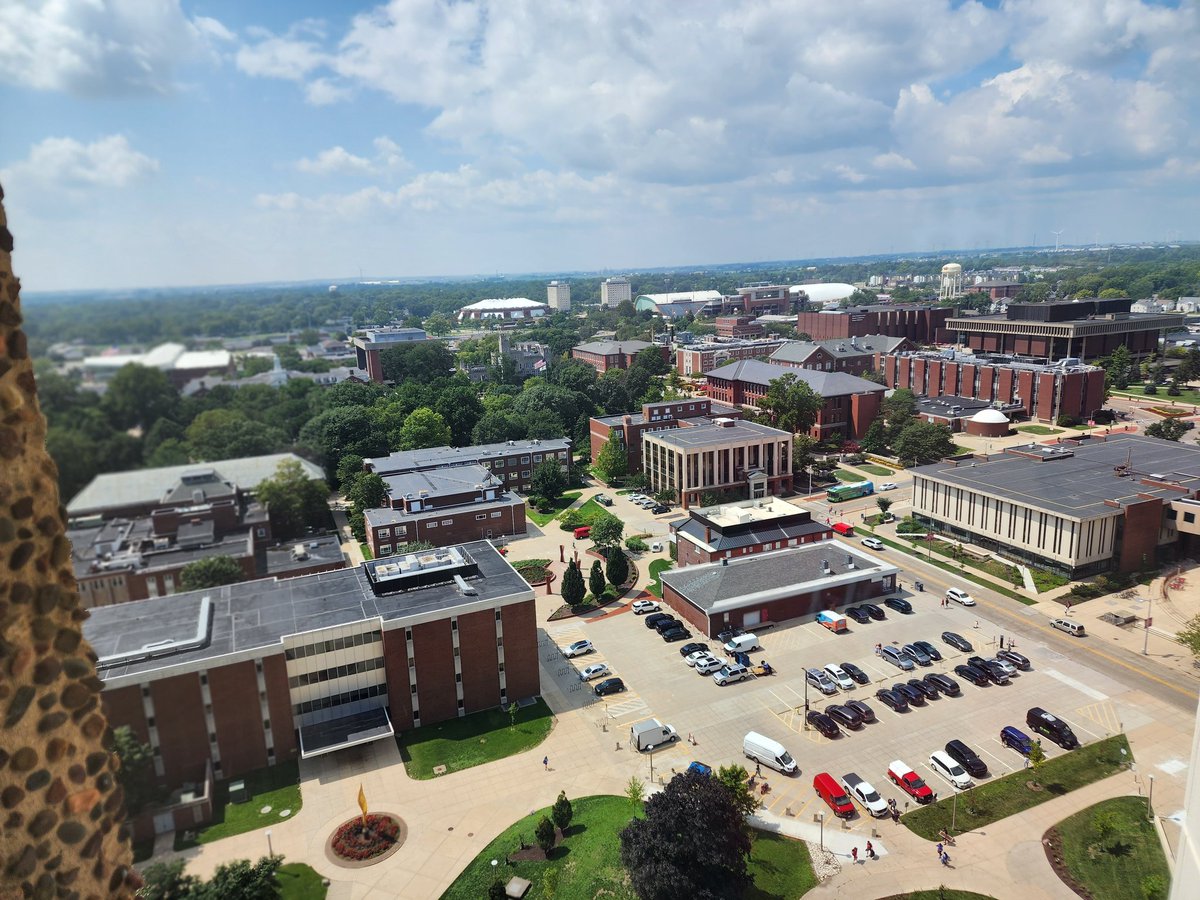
{"type": "Point", "coordinates": [839, 348]}
{"type": "Point", "coordinates": [438, 457]}
{"type": "Point", "coordinates": [942, 406]}
{"type": "Point", "coordinates": [1077, 480]}
{"type": "Point", "coordinates": [751, 535]}
{"type": "Point", "coordinates": [827, 384]}
{"type": "Point", "coordinates": [715, 586]}
{"type": "Point", "coordinates": [249, 619]}
{"type": "Point", "coordinates": [612, 348]}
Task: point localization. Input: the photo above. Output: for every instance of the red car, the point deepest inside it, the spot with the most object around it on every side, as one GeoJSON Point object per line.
{"type": "Point", "coordinates": [909, 782]}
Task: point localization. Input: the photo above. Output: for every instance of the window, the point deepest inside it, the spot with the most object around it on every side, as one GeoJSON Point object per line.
{"type": "Point", "coordinates": [412, 689]}
{"type": "Point", "coordinates": [454, 623]}
{"type": "Point", "coordinates": [524, 460]}
{"type": "Point", "coordinates": [480, 517]}
{"type": "Point", "coordinates": [447, 521]}
{"type": "Point", "coordinates": [260, 532]}
{"type": "Point", "coordinates": [495, 515]}
{"type": "Point", "coordinates": [537, 457]}
{"type": "Point", "coordinates": [401, 531]}
{"type": "Point", "coordinates": [1190, 518]}
{"type": "Point", "coordinates": [385, 549]}
{"type": "Point", "coordinates": [408, 634]}
{"type": "Point", "coordinates": [431, 524]}
{"type": "Point", "coordinates": [525, 474]}
{"type": "Point", "coordinates": [383, 532]}
{"type": "Point", "coordinates": [458, 678]}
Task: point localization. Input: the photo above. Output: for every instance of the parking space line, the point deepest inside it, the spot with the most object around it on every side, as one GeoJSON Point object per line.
{"type": "Point", "coordinates": [999, 762]}
{"type": "Point", "coordinates": [1075, 726]}
{"type": "Point", "coordinates": [1103, 714]}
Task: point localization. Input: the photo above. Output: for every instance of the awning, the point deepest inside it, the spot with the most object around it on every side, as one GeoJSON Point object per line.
{"type": "Point", "coordinates": [348, 731]}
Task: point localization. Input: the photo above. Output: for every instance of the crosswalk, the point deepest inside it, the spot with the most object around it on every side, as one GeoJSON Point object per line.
{"type": "Point", "coordinates": [566, 672]}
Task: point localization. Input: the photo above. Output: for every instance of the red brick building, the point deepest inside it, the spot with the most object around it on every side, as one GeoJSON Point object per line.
{"type": "Point", "coordinates": [512, 462]}
{"type": "Point", "coordinates": [917, 323]}
{"type": "Point", "coordinates": [443, 507]}
{"type": "Point", "coordinates": [605, 355]}
{"type": "Point", "coordinates": [850, 405]}
{"type": "Point", "coordinates": [853, 355]}
{"type": "Point", "coordinates": [1044, 392]}
{"type": "Point", "coordinates": [738, 327]}
{"type": "Point", "coordinates": [375, 340]}
{"type": "Point", "coordinates": [315, 664]}
{"type": "Point", "coordinates": [713, 533]}
{"type": "Point", "coordinates": [696, 359]}
{"type": "Point", "coordinates": [996, 290]}
{"type": "Point", "coordinates": [653, 417]}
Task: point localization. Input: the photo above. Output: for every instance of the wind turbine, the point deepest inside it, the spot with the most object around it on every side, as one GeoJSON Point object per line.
{"type": "Point", "coordinates": [1056, 234]}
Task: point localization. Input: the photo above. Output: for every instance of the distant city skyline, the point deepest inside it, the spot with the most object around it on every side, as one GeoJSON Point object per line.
{"type": "Point", "coordinates": [175, 142]}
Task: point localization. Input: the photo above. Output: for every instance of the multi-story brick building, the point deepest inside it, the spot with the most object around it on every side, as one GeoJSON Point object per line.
{"type": "Point", "coordinates": [761, 298]}
{"type": "Point", "coordinates": [917, 323]}
{"type": "Point", "coordinates": [996, 290]}
{"type": "Point", "coordinates": [1083, 329]}
{"type": "Point", "coordinates": [375, 340]}
{"type": "Point", "coordinates": [605, 355]}
{"type": "Point", "coordinates": [733, 530]}
{"type": "Point", "coordinates": [721, 457]}
{"type": "Point", "coordinates": [653, 417]}
{"type": "Point", "coordinates": [228, 680]}
{"type": "Point", "coordinates": [443, 507]}
{"type": "Point", "coordinates": [853, 355]}
{"type": "Point", "coordinates": [696, 359]}
{"type": "Point", "coordinates": [512, 462]}
{"type": "Point", "coordinates": [850, 404]}
{"type": "Point", "coordinates": [1043, 392]}
{"type": "Point", "coordinates": [740, 326]}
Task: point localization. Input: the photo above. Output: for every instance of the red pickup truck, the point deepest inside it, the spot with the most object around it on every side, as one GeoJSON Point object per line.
{"type": "Point", "coordinates": [909, 782]}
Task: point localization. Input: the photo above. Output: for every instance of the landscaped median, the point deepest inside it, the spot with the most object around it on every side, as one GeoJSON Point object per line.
{"type": "Point", "coordinates": [474, 740]}
{"type": "Point", "coordinates": [1111, 850]}
{"type": "Point", "coordinates": [913, 550]}
{"type": "Point", "coordinates": [657, 567]}
{"type": "Point", "coordinates": [545, 518]}
{"type": "Point", "coordinates": [1002, 797]}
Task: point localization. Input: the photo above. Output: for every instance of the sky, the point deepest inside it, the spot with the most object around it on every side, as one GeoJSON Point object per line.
{"type": "Point", "coordinates": [189, 142]}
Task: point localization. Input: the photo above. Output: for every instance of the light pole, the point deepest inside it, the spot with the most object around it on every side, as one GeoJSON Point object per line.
{"type": "Point", "coordinates": [1150, 799]}
{"type": "Point", "coordinates": [270, 849]}
{"type": "Point", "coordinates": [1149, 620]}
{"type": "Point", "coordinates": [806, 704]}
{"type": "Point", "coordinates": [821, 819]}
{"type": "Point", "coordinates": [954, 810]}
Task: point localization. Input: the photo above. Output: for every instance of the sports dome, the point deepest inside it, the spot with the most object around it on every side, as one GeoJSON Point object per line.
{"type": "Point", "coordinates": [824, 292]}
{"type": "Point", "coordinates": [503, 308]}
{"type": "Point", "coordinates": [990, 417]}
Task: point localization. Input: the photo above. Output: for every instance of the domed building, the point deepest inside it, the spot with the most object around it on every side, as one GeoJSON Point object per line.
{"type": "Point", "coordinates": [505, 309]}
{"type": "Point", "coordinates": [987, 423]}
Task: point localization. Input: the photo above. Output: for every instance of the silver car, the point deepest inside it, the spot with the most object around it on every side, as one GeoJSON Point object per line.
{"type": "Point", "coordinates": [897, 658]}
{"type": "Point", "coordinates": [822, 682]}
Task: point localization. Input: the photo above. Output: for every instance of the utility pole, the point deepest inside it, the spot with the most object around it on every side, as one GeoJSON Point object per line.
{"type": "Point", "coordinates": [1146, 636]}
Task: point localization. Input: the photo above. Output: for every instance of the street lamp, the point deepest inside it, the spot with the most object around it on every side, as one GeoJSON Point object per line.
{"type": "Point", "coordinates": [806, 704]}
{"type": "Point", "coordinates": [954, 810]}
{"type": "Point", "coordinates": [1150, 799]}
{"type": "Point", "coordinates": [270, 849]}
{"type": "Point", "coordinates": [821, 819]}
{"type": "Point", "coordinates": [1149, 620]}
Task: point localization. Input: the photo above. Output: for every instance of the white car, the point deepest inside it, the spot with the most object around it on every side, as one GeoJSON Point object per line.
{"type": "Point", "coordinates": [839, 677]}
{"type": "Point", "coordinates": [888, 486]}
{"type": "Point", "coordinates": [941, 762]}
{"type": "Point", "coordinates": [709, 664]}
{"type": "Point", "coordinates": [728, 674]}
{"type": "Point", "coordinates": [578, 649]}
{"type": "Point", "coordinates": [656, 547]}
{"type": "Point", "coordinates": [641, 607]}
{"type": "Point", "coordinates": [594, 671]}
{"type": "Point", "coordinates": [864, 793]}
{"type": "Point", "coordinates": [958, 595]}
{"type": "Point", "coordinates": [692, 658]}
{"type": "Point", "coordinates": [872, 543]}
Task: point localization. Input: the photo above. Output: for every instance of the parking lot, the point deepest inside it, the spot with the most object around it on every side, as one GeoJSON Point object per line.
{"type": "Point", "coordinates": [661, 685]}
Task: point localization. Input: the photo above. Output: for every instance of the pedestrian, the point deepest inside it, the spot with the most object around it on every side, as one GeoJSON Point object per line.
{"type": "Point", "coordinates": [896, 814]}
{"type": "Point", "coordinates": [854, 853]}
{"type": "Point", "coordinates": [1068, 607]}
{"type": "Point", "coordinates": [945, 858]}
{"type": "Point", "coordinates": [870, 851]}
{"type": "Point", "coordinates": [546, 763]}
{"type": "Point", "coordinates": [940, 848]}
{"type": "Point", "coordinates": [758, 770]}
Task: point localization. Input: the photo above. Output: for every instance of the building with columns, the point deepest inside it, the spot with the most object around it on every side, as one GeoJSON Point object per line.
{"type": "Point", "coordinates": [723, 457]}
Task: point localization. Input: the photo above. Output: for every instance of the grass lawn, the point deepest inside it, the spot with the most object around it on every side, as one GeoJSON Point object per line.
{"type": "Point", "coordinates": [1039, 429]}
{"type": "Point", "coordinates": [473, 740]}
{"type": "Point", "coordinates": [1114, 867]}
{"type": "Point", "coordinates": [873, 469]}
{"type": "Point", "coordinates": [1000, 798]}
{"type": "Point", "coordinates": [366, 550]}
{"type": "Point", "coordinates": [844, 475]}
{"type": "Point", "coordinates": [917, 547]}
{"type": "Point", "coordinates": [560, 504]}
{"type": "Point", "coordinates": [959, 450]}
{"type": "Point", "coordinates": [532, 570]}
{"type": "Point", "coordinates": [587, 513]}
{"type": "Point", "coordinates": [300, 882]}
{"type": "Point", "coordinates": [587, 864]}
{"type": "Point", "coordinates": [276, 786]}
{"type": "Point", "coordinates": [657, 567]}
{"type": "Point", "coordinates": [1186, 396]}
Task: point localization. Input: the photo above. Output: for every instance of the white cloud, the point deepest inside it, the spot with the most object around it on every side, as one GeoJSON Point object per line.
{"type": "Point", "coordinates": [66, 164]}
{"type": "Point", "coordinates": [340, 161]}
{"type": "Point", "coordinates": [325, 92]}
{"type": "Point", "coordinates": [893, 161]}
{"type": "Point", "coordinates": [93, 48]}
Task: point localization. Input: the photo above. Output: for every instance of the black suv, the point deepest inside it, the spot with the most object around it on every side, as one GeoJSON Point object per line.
{"type": "Point", "coordinates": [1015, 659]}
{"type": "Point", "coordinates": [975, 676]}
{"type": "Point", "coordinates": [1052, 727]}
{"type": "Point", "coordinates": [666, 624]}
{"type": "Point", "coordinates": [823, 724]}
{"type": "Point", "coordinates": [873, 611]}
{"type": "Point", "coordinates": [909, 693]}
{"type": "Point", "coordinates": [967, 758]}
{"type": "Point", "coordinates": [652, 620]}
{"type": "Point", "coordinates": [858, 614]}
{"type": "Point", "coordinates": [856, 673]}
{"type": "Point", "coordinates": [957, 641]}
{"type": "Point", "coordinates": [943, 683]}
{"type": "Point", "coordinates": [844, 715]}
{"type": "Point", "coordinates": [898, 604]}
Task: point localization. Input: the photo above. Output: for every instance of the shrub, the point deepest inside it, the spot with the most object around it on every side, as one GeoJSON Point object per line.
{"type": "Point", "coordinates": [1066, 421]}
{"type": "Point", "coordinates": [562, 812]}
{"type": "Point", "coordinates": [636, 544]}
{"type": "Point", "coordinates": [544, 835]}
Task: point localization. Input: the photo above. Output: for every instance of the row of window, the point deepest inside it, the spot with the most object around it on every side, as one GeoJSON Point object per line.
{"type": "Point", "coordinates": [367, 665]}
{"type": "Point", "coordinates": [354, 640]}
{"type": "Point", "coordinates": [308, 706]}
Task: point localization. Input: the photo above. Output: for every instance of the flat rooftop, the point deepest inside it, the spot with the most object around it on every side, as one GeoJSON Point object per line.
{"type": "Point", "coordinates": [165, 635]}
{"type": "Point", "coordinates": [747, 511]}
{"type": "Point", "coordinates": [715, 410]}
{"type": "Point", "coordinates": [1079, 481]}
{"type": "Point", "coordinates": [436, 482]}
{"type": "Point", "coordinates": [435, 457]}
{"type": "Point", "coordinates": [713, 434]}
{"type": "Point", "coordinates": [715, 586]}
{"type": "Point", "coordinates": [942, 406]}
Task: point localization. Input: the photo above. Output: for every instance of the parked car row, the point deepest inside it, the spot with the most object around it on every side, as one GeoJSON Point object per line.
{"type": "Point", "coordinates": [648, 503]}
{"type": "Point", "coordinates": [864, 613]}
{"type": "Point", "coordinates": [669, 628]}
{"type": "Point", "coordinates": [595, 670]}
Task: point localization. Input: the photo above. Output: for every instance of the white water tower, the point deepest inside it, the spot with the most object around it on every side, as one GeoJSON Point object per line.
{"type": "Point", "coordinates": [951, 288]}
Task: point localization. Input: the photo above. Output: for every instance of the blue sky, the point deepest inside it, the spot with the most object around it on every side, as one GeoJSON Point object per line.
{"type": "Point", "coordinates": [170, 142]}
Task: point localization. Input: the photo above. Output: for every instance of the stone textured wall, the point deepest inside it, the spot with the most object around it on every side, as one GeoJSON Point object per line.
{"type": "Point", "coordinates": [61, 810]}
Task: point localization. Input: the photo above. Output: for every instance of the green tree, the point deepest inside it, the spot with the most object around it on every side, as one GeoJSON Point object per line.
{"type": "Point", "coordinates": [349, 467]}
{"type": "Point", "coordinates": [370, 491]}
{"type": "Point", "coordinates": [136, 774]}
{"type": "Point", "coordinates": [1189, 635]}
{"type": "Point", "coordinates": [549, 479]}
{"type": "Point", "coordinates": [920, 443]}
{"type": "Point", "coordinates": [618, 567]}
{"type": "Point", "coordinates": [293, 500]}
{"type": "Point", "coordinates": [596, 579]}
{"type": "Point", "coordinates": [561, 812]}
{"type": "Point", "coordinates": [496, 427]}
{"type": "Point", "coordinates": [875, 440]}
{"type": "Point", "coordinates": [461, 409]}
{"type": "Point", "coordinates": [1037, 757]}
{"type": "Point", "coordinates": [572, 589]}
{"type": "Point", "coordinates": [791, 404]}
{"type": "Point", "coordinates": [139, 395]}
{"type": "Point", "coordinates": [607, 531]}
{"type": "Point", "coordinates": [166, 881]}
{"type": "Point", "coordinates": [497, 891]}
{"type": "Point", "coordinates": [1168, 429]}
{"type": "Point", "coordinates": [612, 462]}
{"type": "Point", "coordinates": [1119, 367]}
{"type": "Point", "coordinates": [345, 430]}
{"type": "Point", "coordinates": [635, 790]}
{"type": "Point", "coordinates": [210, 572]}
{"type": "Point", "coordinates": [691, 843]}
{"type": "Point", "coordinates": [898, 411]}
{"type": "Point", "coordinates": [423, 429]}
{"type": "Point", "coordinates": [884, 505]}
{"type": "Point", "coordinates": [243, 880]}
{"type": "Point", "coordinates": [422, 361]}
{"type": "Point", "coordinates": [439, 324]}
{"type": "Point", "coordinates": [803, 450]}
{"type": "Point", "coordinates": [1105, 824]}
{"type": "Point", "coordinates": [736, 780]}
{"type": "Point", "coordinates": [229, 434]}
{"type": "Point", "coordinates": [543, 833]}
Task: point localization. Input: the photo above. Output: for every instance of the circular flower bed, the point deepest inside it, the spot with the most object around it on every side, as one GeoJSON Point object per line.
{"type": "Point", "coordinates": [354, 842]}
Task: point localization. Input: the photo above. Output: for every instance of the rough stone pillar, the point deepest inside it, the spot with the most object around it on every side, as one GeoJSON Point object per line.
{"type": "Point", "coordinates": [60, 806]}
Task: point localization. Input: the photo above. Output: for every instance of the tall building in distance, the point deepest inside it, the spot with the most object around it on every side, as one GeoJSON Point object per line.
{"type": "Point", "coordinates": [614, 290]}
{"type": "Point", "coordinates": [558, 295]}
{"type": "Point", "coordinates": [952, 285]}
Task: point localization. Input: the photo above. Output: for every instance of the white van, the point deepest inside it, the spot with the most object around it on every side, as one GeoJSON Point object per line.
{"type": "Point", "coordinates": [941, 763]}
{"type": "Point", "coordinates": [1073, 628]}
{"type": "Point", "coordinates": [743, 643]}
{"type": "Point", "coordinates": [761, 748]}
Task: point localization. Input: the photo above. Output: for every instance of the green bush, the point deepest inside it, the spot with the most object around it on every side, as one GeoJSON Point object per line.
{"type": "Point", "coordinates": [636, 544]}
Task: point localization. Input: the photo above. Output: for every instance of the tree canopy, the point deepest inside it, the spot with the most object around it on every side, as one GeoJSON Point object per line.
{"type": "Point", "coordinates": [791, 404]}
{"type": "Point", "coordinates": [423, 428]}
{"type": "Point", "coordinates": [294, 501]}
{"type": "Point", "coordinates": [212, 571]}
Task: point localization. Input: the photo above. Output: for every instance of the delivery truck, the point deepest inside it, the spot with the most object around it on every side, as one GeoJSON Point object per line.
{"type": "Point", "coordinates": [835, 622]}
{"type": "Point", "coordinates": [650, 734]}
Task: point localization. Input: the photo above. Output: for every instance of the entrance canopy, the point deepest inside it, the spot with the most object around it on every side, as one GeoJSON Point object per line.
{"type": "Point", "coordinates": [348, 731]}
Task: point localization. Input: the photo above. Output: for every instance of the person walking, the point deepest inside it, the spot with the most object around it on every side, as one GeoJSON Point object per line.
{"type": "Point", "coordinates": [546, 763]}
{"type": "Point", "coordinates": [870, 850]}
{"type": "Point", "coordinates": [854, 853]}
{"type": "Point", "coordinates": [945, 857]}
{"type": "Point", "coordinates": [940, 850]}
